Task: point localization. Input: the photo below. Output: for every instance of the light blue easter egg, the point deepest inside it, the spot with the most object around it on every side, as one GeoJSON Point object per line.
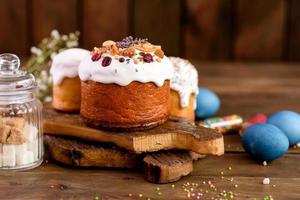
{"type": "Point", "coordinates": [208, 103]}
{"type": "Point", "coordinates": [289, 123]}
{"type": "Point", "coordinates": [265, 142]}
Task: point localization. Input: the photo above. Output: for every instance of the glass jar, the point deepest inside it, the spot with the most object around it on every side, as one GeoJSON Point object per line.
{"type": "Point", "coordinates": [21, 134]}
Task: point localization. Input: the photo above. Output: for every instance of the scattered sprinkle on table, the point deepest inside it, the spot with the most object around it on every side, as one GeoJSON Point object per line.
{"type": "Point", "coordinates": [269, 197]}
{"type": "Point", "coordinates": [265, 163]}
{"type": "Point", "coordinates": [266, 181]}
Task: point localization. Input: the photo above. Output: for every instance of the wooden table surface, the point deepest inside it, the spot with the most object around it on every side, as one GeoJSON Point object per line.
{"type": "Point", "coordinates": [244, 89]}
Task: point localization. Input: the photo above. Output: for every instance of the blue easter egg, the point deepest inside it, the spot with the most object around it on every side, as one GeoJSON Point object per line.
{"type": "Point", "coordinates": [265, 142]}
{"type": "Point", "coordinates": [289, 123]}
{"type": "Point", "coordinates": [208, 103]}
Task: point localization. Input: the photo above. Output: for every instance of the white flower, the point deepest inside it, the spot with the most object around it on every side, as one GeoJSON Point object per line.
{"type": "Point", "coordinates": [40, 59]}
{"type": "Point", "coordinates": [36, 51]}
{"type": "Point", "coordinates": [71, 44]}
{"type": "Point", "coordinates": [51, 44]}
{"type": "Point", "coordinates": [45, 40]}
{"type": "Point", "coordinates": [55, 34]}
{"type": "Point", "coordinates": [64, 37]}
{"type": "Point", "coordinates": [266, 181]}
{"type": "Point", "coordinates": [33, 50]}
{"type": "Point", "coordinates": [47, 99]}
{"type": "Point", "coordinates": [72, 36]}
{"type": "Point", "coordinates": [42, 86]}
{"type": "Point", "coordinates": [44, 76]}
{"type": "Point", "coordinates": [38, 81]}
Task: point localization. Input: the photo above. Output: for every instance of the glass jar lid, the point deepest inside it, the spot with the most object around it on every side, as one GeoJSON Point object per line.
{"type": "Point", "coordinates": [11, 77]}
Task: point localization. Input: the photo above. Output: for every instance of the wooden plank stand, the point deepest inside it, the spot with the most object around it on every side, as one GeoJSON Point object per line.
{"type": "Point", "coordinates": [71, 142]}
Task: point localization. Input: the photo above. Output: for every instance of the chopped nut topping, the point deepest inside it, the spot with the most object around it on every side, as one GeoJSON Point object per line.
{"type": "Point", "coordinates": [129, 47]}
{"type": "Point", "coordinates": [128, 52]}
{"type": "Point", "coordinates": [114, 50]}
{"type": "Point", "coordinates": [159, 53]}
{"type": "Point", "coordinates": [108, 43]}
{"type": "Point", "coordinates": [147, 47]}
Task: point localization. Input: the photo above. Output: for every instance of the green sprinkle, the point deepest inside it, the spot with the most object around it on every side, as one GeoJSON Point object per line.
{"type": "Point", "coordinates": [267, 198]}
{"type": "Point", "coordinates": [97, 198]}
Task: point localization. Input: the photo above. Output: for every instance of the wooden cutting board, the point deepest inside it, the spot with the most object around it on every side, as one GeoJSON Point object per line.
{"type": "Point", "coordinates": [158, 167]}
{"type": "Point", "coordinates": [176, 133]}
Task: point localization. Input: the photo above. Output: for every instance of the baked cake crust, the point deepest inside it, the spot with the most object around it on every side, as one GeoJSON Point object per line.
{"type": "Point", "coordinates": [131, 107]}
{"type": "Point", "coordinates": [66, 96]}
{"type": "Point", "coordinates": [176, 109]}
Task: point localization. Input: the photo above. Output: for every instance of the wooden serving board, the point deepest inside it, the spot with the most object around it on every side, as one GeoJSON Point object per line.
{"type": "Point", "coordinates": [158, 167]}
{"type": "Point", "coordinates": [176, 133]}
{"type": "Point", "coordinates": [166, 167]}
{"type": "Point", "coordinates": [81, 154]}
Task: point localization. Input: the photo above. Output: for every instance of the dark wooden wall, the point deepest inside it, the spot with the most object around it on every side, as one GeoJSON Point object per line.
{"type": "Point", "coordinates": [250, 30]}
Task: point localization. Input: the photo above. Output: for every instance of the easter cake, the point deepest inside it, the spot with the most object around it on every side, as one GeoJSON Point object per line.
{"type": "Point", "coordinates": [125, 85]}
{"type": "Point", "coordinates": [66, 83]}
{"type": "Point", "coordinates": [184, 88]}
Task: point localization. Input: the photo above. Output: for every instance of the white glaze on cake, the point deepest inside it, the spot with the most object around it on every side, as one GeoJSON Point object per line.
{"type": "Point", "coordinates": [123, 73]}
{"type": "Point", "coordinates": [184, 80]}
{"type": "Point", "coordinates": [65, 64]}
